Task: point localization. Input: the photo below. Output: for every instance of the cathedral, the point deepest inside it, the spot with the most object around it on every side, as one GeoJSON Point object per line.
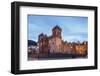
{"type": "Point", "coordinates": [55, 44]}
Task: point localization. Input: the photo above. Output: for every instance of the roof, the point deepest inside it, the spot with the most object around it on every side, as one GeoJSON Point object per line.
{"type": "Point", "coordinates": [57, 27]}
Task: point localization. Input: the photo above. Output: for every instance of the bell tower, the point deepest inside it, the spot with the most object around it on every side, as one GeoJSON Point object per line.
{"type": "Point", "coordinates": [56, 31]}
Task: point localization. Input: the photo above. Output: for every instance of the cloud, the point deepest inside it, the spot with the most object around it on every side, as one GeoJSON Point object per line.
{"type": "Point", "coordinates": [34, 31]}
{"type": "Point", "coordinates": [73, 28]}
{"type": "Point", "coordinates": [74, 38]}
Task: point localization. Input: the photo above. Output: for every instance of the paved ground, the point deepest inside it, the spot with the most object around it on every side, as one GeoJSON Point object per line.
{"type": "Point", "coordinates": [54, 56]}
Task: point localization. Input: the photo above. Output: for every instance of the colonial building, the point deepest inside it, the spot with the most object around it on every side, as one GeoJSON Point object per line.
{"type": "Point", "coordinates": [55, 44]}
{"type": "Point", "coordinates": [81, 48]}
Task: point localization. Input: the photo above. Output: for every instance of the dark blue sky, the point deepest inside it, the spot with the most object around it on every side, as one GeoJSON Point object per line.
{"type": "Point", "coordinates": [74, 28]}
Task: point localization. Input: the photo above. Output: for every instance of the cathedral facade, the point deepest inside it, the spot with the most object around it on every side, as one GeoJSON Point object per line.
{"type": "Point", "coordinates": [55, 44]}
{"type": "Point", "coordinates": [51, 44]}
